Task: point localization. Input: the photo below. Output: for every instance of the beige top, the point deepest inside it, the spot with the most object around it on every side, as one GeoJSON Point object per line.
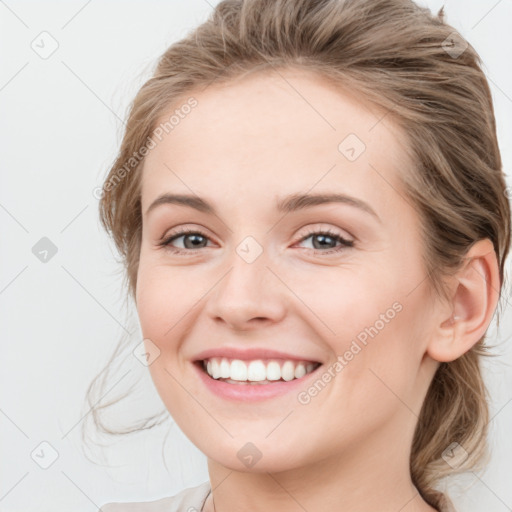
{"type": "Point", "coordinates": [193, 498]}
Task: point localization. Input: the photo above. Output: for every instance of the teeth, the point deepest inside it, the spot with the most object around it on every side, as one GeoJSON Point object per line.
{"type": "Point", "coordinates": [300, 371]}
{"type": "Point", "coordinates": [288, 371]}
{"type": "Point", "coordinates": [273, 371]}
{"type": "Point", "coordinates": [238, 370]}
{"type": "Point", "coordinates": [225, 369]}
{"type": "Point", "coordinates": [256, 371]}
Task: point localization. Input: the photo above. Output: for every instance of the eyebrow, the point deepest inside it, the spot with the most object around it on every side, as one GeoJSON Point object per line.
{"type": "Point", "coordinates": [287, 204]}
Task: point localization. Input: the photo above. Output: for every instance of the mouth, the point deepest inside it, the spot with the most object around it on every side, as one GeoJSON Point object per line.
{"type": "Point", "coordinates": [256, 372]}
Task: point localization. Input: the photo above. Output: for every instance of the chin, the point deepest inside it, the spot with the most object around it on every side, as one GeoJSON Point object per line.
{"type": "Point", "coordinates": [267, 456]}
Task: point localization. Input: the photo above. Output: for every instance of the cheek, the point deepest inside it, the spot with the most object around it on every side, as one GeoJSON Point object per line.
{"type": "Point", "coordinates": [350, 303]}
{"type": "Point", "coordinates": [381, 356]}
{"type": "Point", "coordinates": [373, 325]}
{"type": "Point", "coordinates": [161, 302]}
{"type": "Point", "coordinates": [164, 295]}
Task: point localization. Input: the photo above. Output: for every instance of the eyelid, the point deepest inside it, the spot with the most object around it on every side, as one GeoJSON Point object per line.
{"type": "Point", "coordinates": [336, 232]}
{"type": "Point", "coordinates": [185, 229]}
{"type": "Point", "coordinates": [315, 228]}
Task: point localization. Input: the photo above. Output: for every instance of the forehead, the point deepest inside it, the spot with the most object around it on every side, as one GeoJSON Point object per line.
{"type": "Point", "coordinates": [286, 129]}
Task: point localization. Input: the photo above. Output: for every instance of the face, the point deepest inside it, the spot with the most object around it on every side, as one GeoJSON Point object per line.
{"type": "Point", "coordinates": [267, 284]}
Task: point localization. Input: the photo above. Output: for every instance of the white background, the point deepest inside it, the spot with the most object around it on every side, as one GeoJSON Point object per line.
{"type": "Point", "coordinates": [60, 125]}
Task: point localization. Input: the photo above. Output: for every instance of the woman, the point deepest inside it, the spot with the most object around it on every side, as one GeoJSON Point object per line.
{"type": "Point", "coordinates": [311, 208]}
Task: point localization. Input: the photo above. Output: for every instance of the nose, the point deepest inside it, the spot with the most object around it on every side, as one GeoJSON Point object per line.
{"type": "Point", "coordinates": [248, 296]}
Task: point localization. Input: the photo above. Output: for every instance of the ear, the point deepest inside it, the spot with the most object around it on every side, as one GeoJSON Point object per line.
{"type": "Point", "coordinates": [475, 294]}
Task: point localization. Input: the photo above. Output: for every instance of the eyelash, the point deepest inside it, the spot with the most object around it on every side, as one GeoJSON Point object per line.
{"type": "Point", "coordinates": [166, 243]}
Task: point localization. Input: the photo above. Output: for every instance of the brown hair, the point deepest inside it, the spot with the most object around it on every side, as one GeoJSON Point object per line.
{"type": "Point", "coordinates": [422, 73]}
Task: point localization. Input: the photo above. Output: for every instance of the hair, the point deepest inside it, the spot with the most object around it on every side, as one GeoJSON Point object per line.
{"type": "Point", "coordinates": [423, 74]}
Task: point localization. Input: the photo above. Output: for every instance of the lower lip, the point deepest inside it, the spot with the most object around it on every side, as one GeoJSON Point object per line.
{"type": "Point", "coordinates": [251, 392]}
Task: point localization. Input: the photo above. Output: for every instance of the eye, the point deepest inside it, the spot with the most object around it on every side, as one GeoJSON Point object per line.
{"type": "Point", "coordinates": [193, 240]}
{"type": "Point", "coordinates": [322, 239]}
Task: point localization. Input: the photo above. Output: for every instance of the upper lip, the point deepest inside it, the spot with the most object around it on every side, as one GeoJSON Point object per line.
{"type": "Point", "coordinates": [250, 354]}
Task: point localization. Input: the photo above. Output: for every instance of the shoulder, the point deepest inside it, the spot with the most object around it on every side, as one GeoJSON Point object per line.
{"type": "Point", "coordinates": [188, 500]}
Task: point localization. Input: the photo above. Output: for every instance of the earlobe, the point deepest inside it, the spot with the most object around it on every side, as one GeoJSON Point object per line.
{"type": "Point", "coordinates": [474, 300]}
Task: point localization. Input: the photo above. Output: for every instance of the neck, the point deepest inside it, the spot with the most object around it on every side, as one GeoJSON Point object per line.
{"type": "Point", "coordinates": [373, 476]}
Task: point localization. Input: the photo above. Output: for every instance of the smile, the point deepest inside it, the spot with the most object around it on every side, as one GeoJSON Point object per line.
{"type": "Point", "coordinates": [244, 388]}
{"type": "Point", "coordinates": [258, 371]}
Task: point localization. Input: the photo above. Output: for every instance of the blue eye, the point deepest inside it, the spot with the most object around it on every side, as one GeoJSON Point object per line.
{"type": "Point", "coordinates": [186, 234]}
{"type": "Point", "coordinates": [194, 240]}
{"type": "Point", "coordinates": [327, 237]}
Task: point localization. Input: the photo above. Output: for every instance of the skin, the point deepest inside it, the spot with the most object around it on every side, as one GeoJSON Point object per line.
{"type": "Point", "coordinates": [245, 145]}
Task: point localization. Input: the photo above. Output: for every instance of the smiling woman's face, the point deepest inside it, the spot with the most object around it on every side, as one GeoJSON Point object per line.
{"type": "Point", "coordinates": [339, 283]}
